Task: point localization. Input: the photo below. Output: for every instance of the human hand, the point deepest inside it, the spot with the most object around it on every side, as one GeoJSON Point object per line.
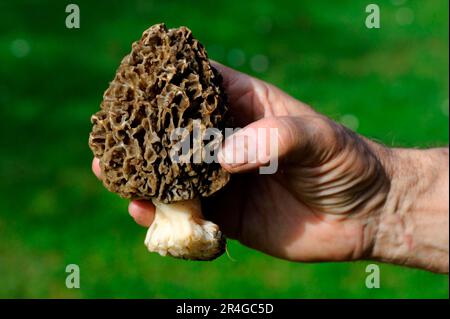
{"type": "Point", "coordinates": [325, 201]}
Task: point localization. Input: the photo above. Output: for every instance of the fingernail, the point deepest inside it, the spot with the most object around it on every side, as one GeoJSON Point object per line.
{"type": "Point", "coordinates": [239, 149]}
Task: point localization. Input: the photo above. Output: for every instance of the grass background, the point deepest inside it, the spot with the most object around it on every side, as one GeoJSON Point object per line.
{"type": "Point", "coordinates": [390, 84]}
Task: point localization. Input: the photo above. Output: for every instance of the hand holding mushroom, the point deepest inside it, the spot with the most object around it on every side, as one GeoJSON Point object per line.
{"type": "Point", "coordinates": [336, 195]}
{"type": "Point", "coordinates": [165, 84]}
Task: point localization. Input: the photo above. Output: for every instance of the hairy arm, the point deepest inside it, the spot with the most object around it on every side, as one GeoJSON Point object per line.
{"type": "Point", "coordinates": [413, 227]}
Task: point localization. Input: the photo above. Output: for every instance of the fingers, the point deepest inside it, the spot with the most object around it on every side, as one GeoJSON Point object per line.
{"type": "Point", "coordinates": [251, 99]}
{"type": "Point", "coordinates": [240, 88]}
{"type": "Point", "coordinates": [236, 83]}
{"type": "Point", "coordinates": [143, 212]}
{"type": "Point", "coordinates": [96, 167]}
{"type": "Point", "coordinates": [264, 142]}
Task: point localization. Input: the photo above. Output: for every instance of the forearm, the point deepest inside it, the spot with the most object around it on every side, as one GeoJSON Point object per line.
{"type": "Point", "coordinates": [413, 225]}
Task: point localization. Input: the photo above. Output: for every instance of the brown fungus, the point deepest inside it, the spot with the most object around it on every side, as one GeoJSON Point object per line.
{"type": "Point", "coordinates": [166, 82]}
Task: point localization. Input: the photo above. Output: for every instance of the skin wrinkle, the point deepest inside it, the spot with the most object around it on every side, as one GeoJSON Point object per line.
{"type": "Point", "coordinates": [362, 245]}
{"type": "Point", "coordinates": [395, 216]}
{"type": "Point", "coordinates": [290, 137]}
{"type": "Point", "coordinates": [325, 183]}
{"type": "Point", "coordinates": [337, 167]}
{"type": "Point", "coordinates": [263, 94]}
{"type": "Point", "coordinates": [267, 97]}
{"type": "Point", "coordinates": [321, 132]}
{"type": "Point", "coordinates": [326, 172]}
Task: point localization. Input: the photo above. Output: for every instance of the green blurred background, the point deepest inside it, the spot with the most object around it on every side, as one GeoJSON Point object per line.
{"type": "Point", "coordinates": [390, 84]}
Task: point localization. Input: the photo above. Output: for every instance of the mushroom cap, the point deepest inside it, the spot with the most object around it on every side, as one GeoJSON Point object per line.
{"type": "Point", "coordinates": [166, 82]}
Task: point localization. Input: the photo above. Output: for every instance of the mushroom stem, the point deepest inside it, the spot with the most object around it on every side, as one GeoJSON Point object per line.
{"type": "Point", "coordinates": [179, 230]}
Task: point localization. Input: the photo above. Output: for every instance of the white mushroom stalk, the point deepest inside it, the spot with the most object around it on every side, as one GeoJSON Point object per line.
{"type": "Point", "coordinates": [179, 230]}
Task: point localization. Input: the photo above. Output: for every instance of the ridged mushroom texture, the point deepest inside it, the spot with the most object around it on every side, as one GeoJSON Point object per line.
{"type": "Point", "coordinates": [164, 84]}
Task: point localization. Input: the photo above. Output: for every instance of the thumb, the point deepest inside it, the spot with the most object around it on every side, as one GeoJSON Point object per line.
{"type": "Point", "coordinates": [261, 144]}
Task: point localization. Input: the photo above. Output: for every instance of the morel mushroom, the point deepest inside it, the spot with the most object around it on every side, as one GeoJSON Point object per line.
{"type": "Point", "coordinates": [166, 82]}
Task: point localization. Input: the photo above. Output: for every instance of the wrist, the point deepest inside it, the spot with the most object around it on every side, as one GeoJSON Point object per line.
{"type": "Point", "coordinates": [412, 226]}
